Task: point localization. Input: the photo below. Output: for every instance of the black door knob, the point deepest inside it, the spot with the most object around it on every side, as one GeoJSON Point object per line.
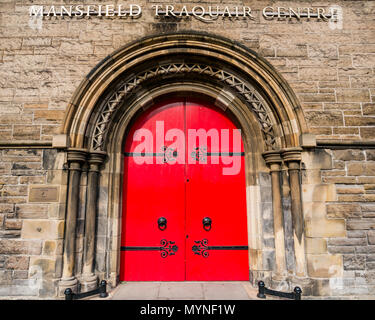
{"type": "Point", "coordinates": [207, 222]}
{"type": "Point", "coordinates": [162, 223]}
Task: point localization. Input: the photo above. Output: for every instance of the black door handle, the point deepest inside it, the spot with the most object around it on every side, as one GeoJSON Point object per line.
{"type": "Point", "coordinates": [207, 222]}
{"type": "Point", "coordinates": [162, 223]}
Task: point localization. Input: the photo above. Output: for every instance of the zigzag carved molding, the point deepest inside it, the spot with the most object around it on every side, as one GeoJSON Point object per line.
{"type": "Point", "coordinates": [247, 92]}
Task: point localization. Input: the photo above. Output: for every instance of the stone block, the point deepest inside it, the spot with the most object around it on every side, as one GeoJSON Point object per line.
{"type": "Point", "coordinates": [346, 131]}
{"type": "Point", "coordinates": [359, 121]}
{"type": "Point", "coordinates": [370, 155]}
{"type": "Point", "coordinates": [46, 265]}
{"type": "Point", "coordinates": [343, 210]}
{"type": "Point", "coordinates": [36, 41]}
{"type": "Point", "coordinates": [33, 180]}
{"type": "Point", "coordinates": [354, 262]}
{"type": "Point", "coordinates": [339, 179]}
{"type": "Point", "coordinates": [13, 224]}
{"type": "Point", "coordinates": [32, 211]}
{"type": "Point", "coordinates": [341, 249]}
{"type": "Point", "coordinates": [308, 140]}
{"type": "Point", "coordinates": [371, 237]}
{"type": "Point", "coordinates": [318, 97]}
{"type": "Point", "coordinates": [319, 192]}
{"type": "Point", "coordinates": [316, 245]}
{"type": "Point", "coordinates": [367, 133]}
{"type": "Point", "coordinates": [42, 229]}
{"type": "Point", "coordinates": [314, 73]}
{"type": "Point", "coordinates": [59, 141]}
{"type": "Point", "coordinates": [366, 180]}
{"type": "Point", "coordinates": [318, 226]}
{"type": "Point", "coordinates": [352, 95]}
{"type": "Point", "coordinates": [368, 109]}
{"type": "Point", "coordinates": [361, 169]}
{"type": "Point", "coordinates": [17, 262]}
{"type": "Point", "coordinates": [347, 242]}
{"type": "Point", "coordinates": [348, 155]}
{"type": "Point", "coordinates": [26, 132]}
{"type": "Point", "coordinates": [319, 159]}
{"type": "Point", "coordinates": [11, 246]}
{"type": "Point", "coordinates": [324, 265]}
{"type": "Point", "coordinates": [6, 208]}
{"type": "Point", "coordinates": [10, 191]}
{"type": "Point", "coordinates": [52, 247]}
{"type": "Point", "coordinates": [361, 224]}
{"type": "Point", "coordinates": [350, 189]}
{"type": "Point", "coordinates": [46, 116]}
{"type": "Point", "coordinates": [32, 106]}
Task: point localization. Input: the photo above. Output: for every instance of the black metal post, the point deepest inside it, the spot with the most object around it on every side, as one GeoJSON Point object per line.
{"type": "Point", "coordinates": [261, 290]}
{"type": "Point", "coordinates": [68, 294]}
{"type": "Point", "coordinates": [103, 289]}
{"type": "Point", "coordinates": [297, 293]}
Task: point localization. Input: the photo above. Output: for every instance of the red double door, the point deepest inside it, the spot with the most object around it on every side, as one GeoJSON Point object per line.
{"type": "Point", "coordinates": [184, 198]}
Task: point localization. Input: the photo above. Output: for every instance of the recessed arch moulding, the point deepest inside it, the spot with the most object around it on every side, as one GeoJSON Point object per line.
{"type": "Point", "coordinates": [189, 64]}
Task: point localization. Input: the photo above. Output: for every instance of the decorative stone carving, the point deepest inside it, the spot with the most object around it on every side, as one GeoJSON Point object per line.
{"type": "Point", "coordinates": [241, 87]}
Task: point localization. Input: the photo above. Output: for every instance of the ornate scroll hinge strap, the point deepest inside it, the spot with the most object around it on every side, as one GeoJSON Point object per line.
{"type": "Point", "coordinates": [202, 247]}
{"type": "Point", "coordinates": [168, 248]}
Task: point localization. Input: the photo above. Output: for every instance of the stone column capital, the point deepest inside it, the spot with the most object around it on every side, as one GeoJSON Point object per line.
{"type": "Point", "coordinates": [77, 155]}
{"type": "Point", "coordinates": [97, 157]}
{"type": "Point", "coordinates": [292, 154]}
{"type": "Point", "coordinates": [272, 157]}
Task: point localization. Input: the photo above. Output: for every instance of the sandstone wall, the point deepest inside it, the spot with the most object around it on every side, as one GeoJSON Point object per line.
{"type": "Point", "coordinates": [332, 72]}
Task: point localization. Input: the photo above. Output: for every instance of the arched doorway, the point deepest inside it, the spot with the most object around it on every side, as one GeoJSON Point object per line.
{"type": "Point", "coordinates": [184, 195]}
{"type": "Point", "coordinates": [123, 87]}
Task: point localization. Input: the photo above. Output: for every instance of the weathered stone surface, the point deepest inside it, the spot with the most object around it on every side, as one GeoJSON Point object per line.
{"type": "Point", "coordinates": [362, 224]}
{"type": "Point", "coordinates": [349, 154]}
{"type": "Point", "coordinates": [316, 245]}
{"type": "Point", "coordinates": [330, 71]}
{"type": "Point", "coordinates": [354, 262]}
{"type": "Point", "coordinates": [20, 247]}
{"type": "Point", "coordinates": [370, 155]}
{"type": "Point", "coordinates": [361, 169]}
{"type": "Point", "coordinates": [347, 241]}
{"type": "Point", "coordinates": [319, 118]}
{"type": "Point", "coordinates": [42, 229]}
{"type": "Point", "coordinates": [353, 95]}
{"type": "Point", "coordinates": [324, 265]}
{"type": "Point", "coordinates": [17, 262]}
{"type": "Point", "coordinates": [367, 133]}
{"type": "Point", "coordinates": [13, 224]}
{"type": "Point", "coordinates": [32, 211]}
{"type": "Point", "coordinates": [371, 237]}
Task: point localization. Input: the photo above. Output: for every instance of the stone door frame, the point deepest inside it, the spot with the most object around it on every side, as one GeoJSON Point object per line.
{"type": "Point", "coordinates": [227, 74]}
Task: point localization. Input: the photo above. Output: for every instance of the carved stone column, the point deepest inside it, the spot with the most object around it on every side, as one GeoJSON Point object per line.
{"type": "Point", "coordinates": [89, 279]}
{"type": "Point", "coordinates": [274, 161]}
{"type": "Point", "coordinates": [292, 158]}
{"type": "Point", "coordinates": [76, 157]}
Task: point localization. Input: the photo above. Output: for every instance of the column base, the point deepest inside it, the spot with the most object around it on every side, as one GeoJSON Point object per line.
{"type": "Point", "coordinates": [89, 282]}
{"type": "Point", "coordinates": [66, 283]}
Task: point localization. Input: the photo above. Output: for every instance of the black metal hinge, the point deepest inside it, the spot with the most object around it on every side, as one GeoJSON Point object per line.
{"type": "Point", "coordinates": [168, 248]}
{"type": "Point", "coordinates": [202, 247]}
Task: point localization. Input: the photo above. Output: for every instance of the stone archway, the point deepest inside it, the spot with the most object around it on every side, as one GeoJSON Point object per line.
{"type": "Point", "coordinates": [133, 78]}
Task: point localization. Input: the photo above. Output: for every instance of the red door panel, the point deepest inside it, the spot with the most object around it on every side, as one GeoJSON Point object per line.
{"type": "Point", "coordinates": [152, 191]}
{"type": "Point", "coordinates": [222, 198]}
{"type": "Point", "coordinates": [184, 193]}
